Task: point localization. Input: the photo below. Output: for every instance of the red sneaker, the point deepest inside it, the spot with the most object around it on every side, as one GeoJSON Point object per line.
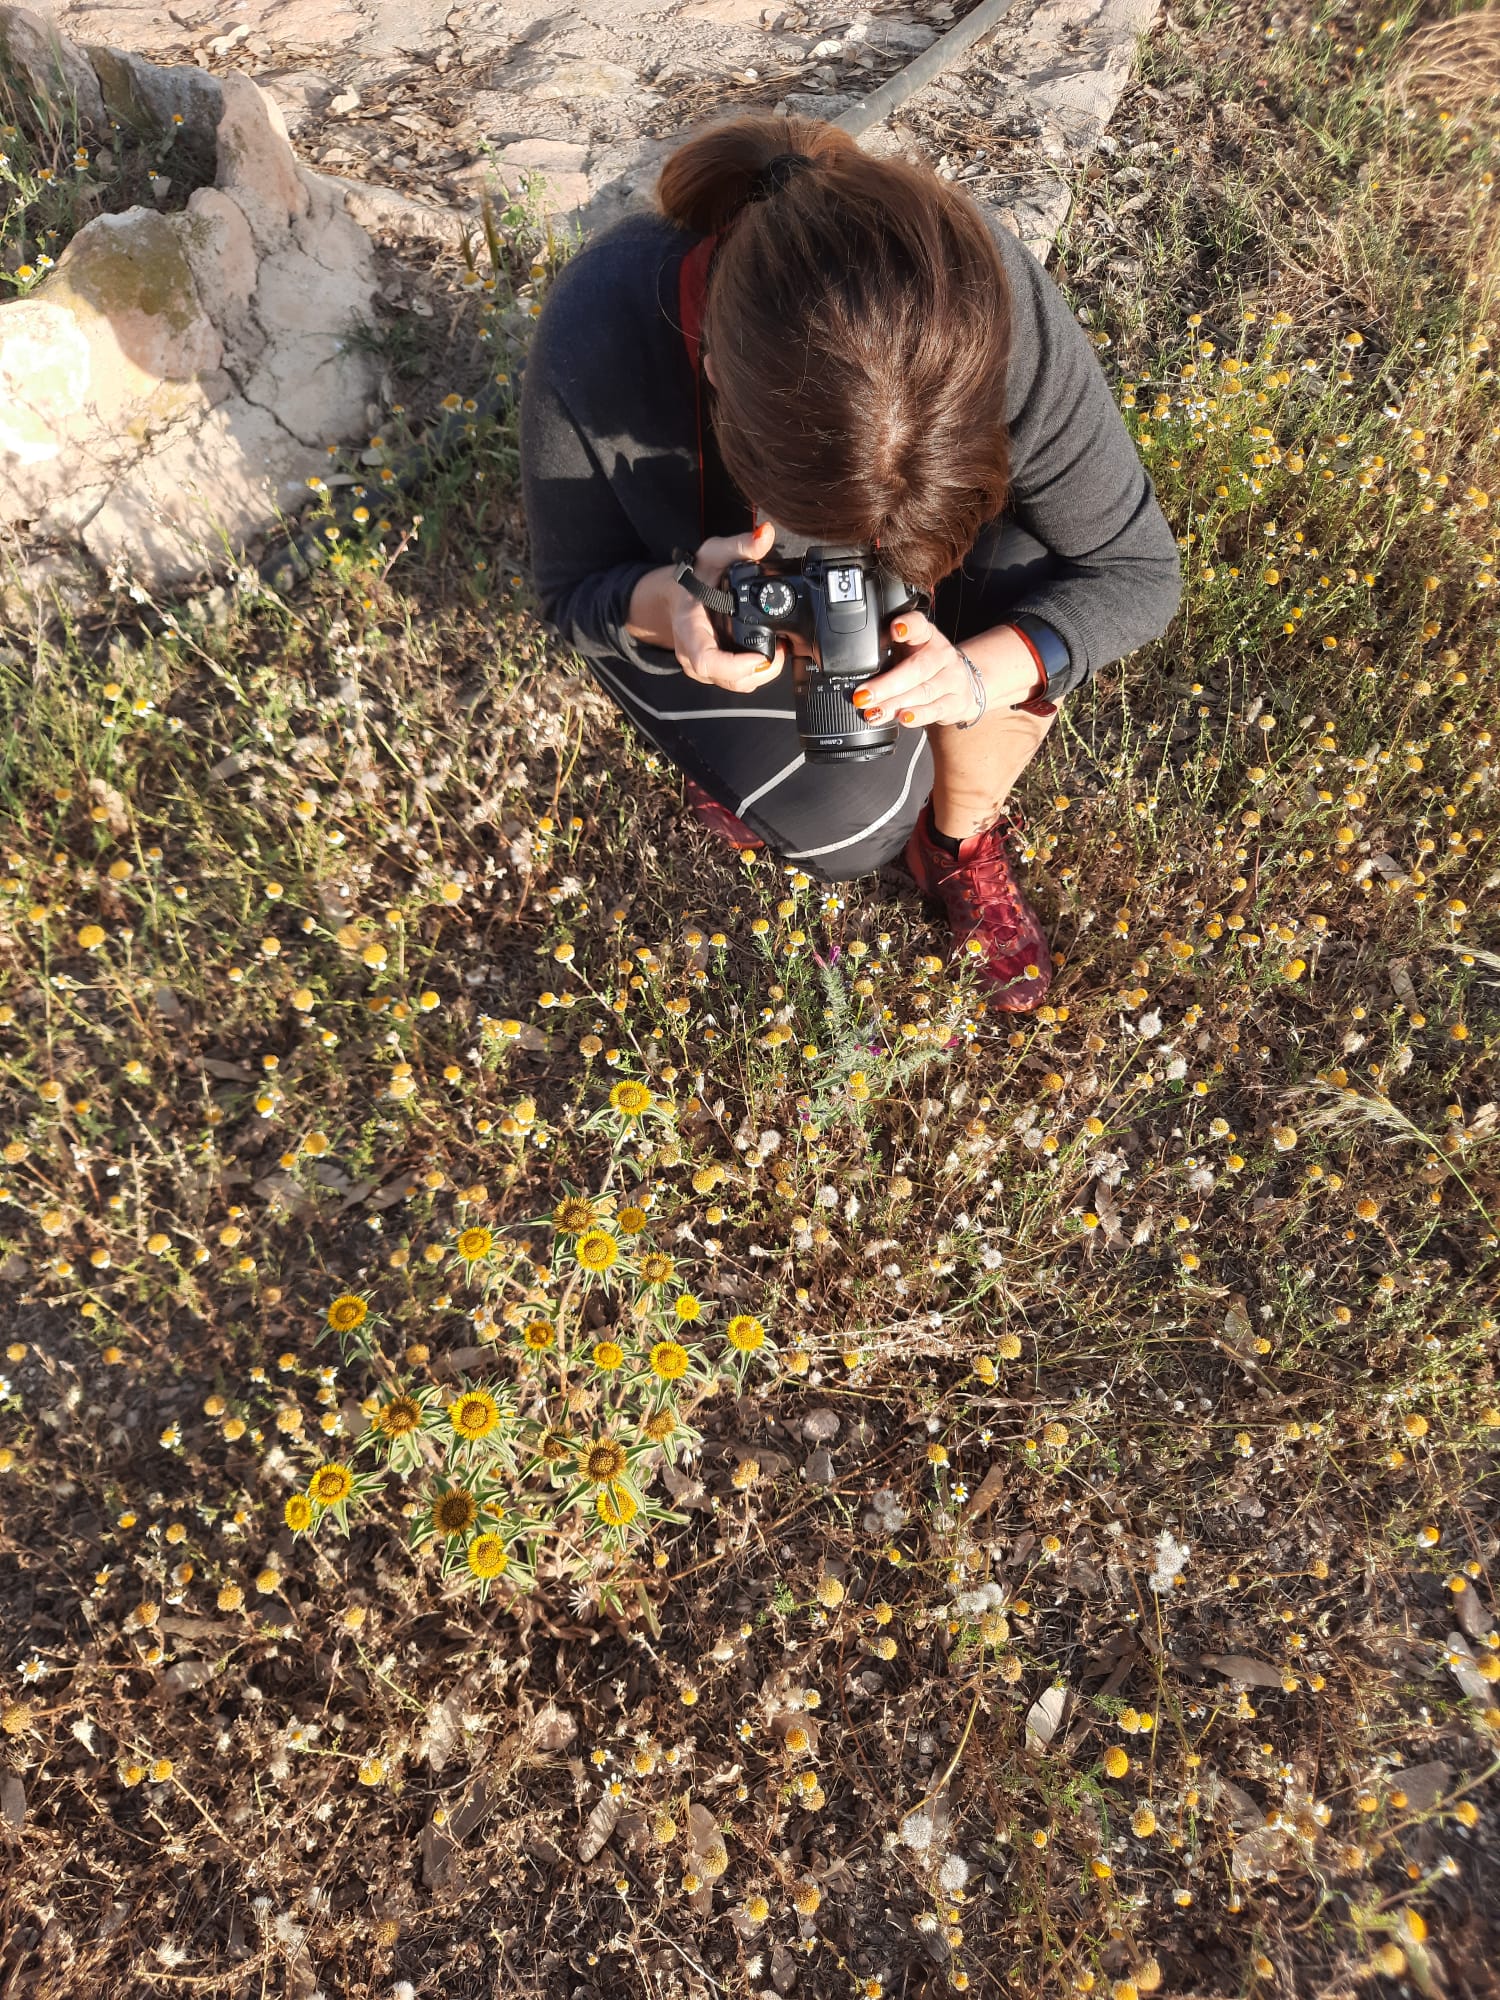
{"type": "Point", "coordinates": [719, 820]}
{"type": "Point", "coordinates": [984, 902]}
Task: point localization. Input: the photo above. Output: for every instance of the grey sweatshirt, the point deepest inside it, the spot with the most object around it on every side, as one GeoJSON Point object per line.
{"type": "Point", "coordinates": [609, 458]}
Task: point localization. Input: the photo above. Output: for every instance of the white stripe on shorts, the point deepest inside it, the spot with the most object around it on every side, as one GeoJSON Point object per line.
{"type": "Point", "coordinates": [812, 853]}
{"type": "Point", "coordinates": [770, 785]}
{"type": "Point", "coordinates": [696, 714]}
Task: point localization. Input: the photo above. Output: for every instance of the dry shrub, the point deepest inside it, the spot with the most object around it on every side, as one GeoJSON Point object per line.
{"type": "Point", "coordinates": [1455, 63]}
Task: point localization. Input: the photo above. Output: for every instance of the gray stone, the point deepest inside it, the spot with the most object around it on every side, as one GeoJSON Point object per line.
{"type": "Point", "coordinates": [221, 251]}
{"type": "Point", "coordinates": [177, 512]}
{"type": "Point", "coordinates": [300, 93]}
{"type": "Point", "coordinates": [829, 104]}
{"type": "Point", "coordinates": [256, 165]}
{"type": "Point", "coordinates": [53, 581]}
{"type": "Point", "coordinates": [137, 92]}
{"type": "Point", "coordinates": [553, 193]}
{"type": "Point", "coordinates": [573, 80]}
{"type": "Point", "coordinates": [55, 72]}
{"type": "Point", "coordinates": [168, 387]}
{"type": "Point", "coordinates": [553, 156]}
{"type": "Point", "coordinates": [730, 13]}
{"type": "Point", "coordinates": [384, 211]}
{"type": "Point", "coordinates": [111, 349]}
{"type": "Point", "coordinates": [910, 37]}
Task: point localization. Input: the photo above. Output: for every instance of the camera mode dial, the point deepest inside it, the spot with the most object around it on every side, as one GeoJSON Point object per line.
{"type": "Point", "coordinates": [776, 599]}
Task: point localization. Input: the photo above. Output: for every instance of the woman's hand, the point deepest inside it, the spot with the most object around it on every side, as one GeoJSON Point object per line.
{"type": "Point", "coordinates": [931, 685]}
{"type": "Point", "coordinates": [694, 639]}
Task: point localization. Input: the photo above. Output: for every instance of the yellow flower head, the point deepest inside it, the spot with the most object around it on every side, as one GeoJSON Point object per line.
{"type": "Point", "coordinates": [688, 1307]}
{"type": "Point", "coordinates": [347, 1312]}
{"type": "Point", "coordinates": [669, 1360]}
{"type": "Point", "coordinates": [616, 1506]}
{"type": "Point", "coordinates": [540, 1335]}
{"type": "Point", "coordinates": [473, 1244]}
{"type": "Point", "coordinates": [487, 1557]}
{"type": "Point", "coordinates": [630, 1221]}
{"type": "Point", "coordinates": [660, 1425]}
{"type": "Point", "coordinates": [399, 1417]}
{"type": "Point", "coordinates": [597, 1251]}
{"type": "Point", "coordinates": [331, 1484]}
{"type": "Point", "coordinates": [603, 1461]}
{"type": "Point", "coordinates": [572, 1217]}
{"type": "Point", "coordinates": [455, 1512]}
{"type": "Point", "coordinates": [631, 1099]}
{"type": "Point", "coordinates": [745, 1334]}
{"type": "Point", "coordinates": [608, 1356]}
{"type": "Point", "coordinates": [297, 1513]}
{"type": "Point", "coordinates": [474, 1415]}
{"type": "Point", "coordinates": [657, 1268]}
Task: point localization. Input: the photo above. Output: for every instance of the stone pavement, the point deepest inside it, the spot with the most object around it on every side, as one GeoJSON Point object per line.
{"type": "Point", "coordinates": [435, 99]}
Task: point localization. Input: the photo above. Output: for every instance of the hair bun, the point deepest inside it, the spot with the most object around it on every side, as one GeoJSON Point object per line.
{"type": "Point", "coordinates": [775, 175]}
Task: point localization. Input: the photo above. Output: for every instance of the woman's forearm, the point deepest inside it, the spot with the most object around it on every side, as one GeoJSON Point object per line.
{"type": "Point", "coordinates": [652, 603]}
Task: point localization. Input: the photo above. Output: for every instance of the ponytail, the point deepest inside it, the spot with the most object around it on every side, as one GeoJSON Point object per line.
{"type": "Point", "coordinates": [721, 171]}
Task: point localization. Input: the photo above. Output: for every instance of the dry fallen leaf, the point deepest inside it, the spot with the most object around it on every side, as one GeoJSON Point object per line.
{"type": "Point", "coordinates": [1473, 1613]}
{"type": "Point", "coordinates": [598, 1827]}
{"type": "Point", "coordinates": [229, 1072]}
{"type": "Point", "coordinates": [1466, 1673]}
{"type": "Point", "coordinates": [1425, 1784]}
{"type": "Point", "coordinates": [1243, 1667]}
{"type": "Point", "coordinates": [986, 1493]}
{"type": "Point", "coordinates": [1044, 1717]}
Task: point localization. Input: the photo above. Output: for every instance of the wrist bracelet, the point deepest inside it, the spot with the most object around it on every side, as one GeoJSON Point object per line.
{"type": "Point", "coordinates": [981, 692]}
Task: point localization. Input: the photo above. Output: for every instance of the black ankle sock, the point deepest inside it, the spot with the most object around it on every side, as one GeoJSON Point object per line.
{"type": "Point", "coordinates": [945, 841]}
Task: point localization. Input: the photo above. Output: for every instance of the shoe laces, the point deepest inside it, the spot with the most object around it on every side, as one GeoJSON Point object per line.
{"type": "Point", "coordinates": [987, 883]}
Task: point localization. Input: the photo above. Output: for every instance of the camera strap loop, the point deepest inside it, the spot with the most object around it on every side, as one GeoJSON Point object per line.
{"type": "Point", "coordinates": [720, 601]}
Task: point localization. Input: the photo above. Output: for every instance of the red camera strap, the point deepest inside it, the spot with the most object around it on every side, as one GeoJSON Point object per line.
{"type": "Point", "coordinates": [692, 295]}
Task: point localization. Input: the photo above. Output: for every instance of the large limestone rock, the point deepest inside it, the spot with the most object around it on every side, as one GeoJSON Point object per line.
{"type": "Point", "coordinates": [167, 389]}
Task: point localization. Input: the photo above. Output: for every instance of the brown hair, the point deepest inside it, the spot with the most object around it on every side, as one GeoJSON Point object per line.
{"type": "Point", "coordinates": [859, 321]}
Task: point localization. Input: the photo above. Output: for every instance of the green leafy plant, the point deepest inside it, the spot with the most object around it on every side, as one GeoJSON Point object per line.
{"type": "Point", "coordinates": [560, 1442]}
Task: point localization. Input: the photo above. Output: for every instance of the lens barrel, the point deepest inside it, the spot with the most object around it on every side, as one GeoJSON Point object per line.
{"type": "Point", "coordinates": [832, 729]}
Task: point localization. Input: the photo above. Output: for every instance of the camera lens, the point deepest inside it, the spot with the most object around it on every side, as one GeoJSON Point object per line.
{"type": "Point", "coordinates": [832, 729]}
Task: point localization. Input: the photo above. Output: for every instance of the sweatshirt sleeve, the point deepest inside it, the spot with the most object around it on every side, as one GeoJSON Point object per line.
{"type": "Point", "coordinates": [1078, 485]}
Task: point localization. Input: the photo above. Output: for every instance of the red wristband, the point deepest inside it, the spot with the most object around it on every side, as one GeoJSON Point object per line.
{"type": "Point", "coordinates": [1041, 671]}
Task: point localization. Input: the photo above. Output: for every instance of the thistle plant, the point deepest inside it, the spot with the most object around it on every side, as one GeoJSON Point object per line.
{"type": "Point", "coordinates": [600, 1358]}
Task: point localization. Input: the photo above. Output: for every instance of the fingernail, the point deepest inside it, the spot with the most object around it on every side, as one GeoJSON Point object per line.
{"type": "Point", "coordinates": [899, 629]}
{"type": "Point", "coordinates": [860, 696]}
{"type": "Point", "coordinates": [906, 716]}
{"type": "Point", "coordinates": [871, 714]}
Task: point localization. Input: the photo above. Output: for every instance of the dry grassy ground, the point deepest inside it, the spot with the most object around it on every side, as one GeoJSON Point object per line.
{"type": "Point", "coordinates": [1086, 1585]}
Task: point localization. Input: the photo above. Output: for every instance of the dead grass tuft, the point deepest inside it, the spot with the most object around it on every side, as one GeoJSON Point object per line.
{"type": "Point", "coordinates": [1455, 63]}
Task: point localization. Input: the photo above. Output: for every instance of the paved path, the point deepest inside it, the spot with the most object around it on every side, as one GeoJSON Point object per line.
{"type": "Point", "coordinates": [433, 97]}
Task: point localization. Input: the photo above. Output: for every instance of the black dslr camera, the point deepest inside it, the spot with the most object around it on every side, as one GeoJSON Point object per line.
{"type": "Point", "coordinates": [841, 601]}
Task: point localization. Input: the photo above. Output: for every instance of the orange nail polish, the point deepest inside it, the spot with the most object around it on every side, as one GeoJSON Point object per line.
{"type": "Point", "coordinates": [860, 696]}
{"type": "Point", "coordinates": [907, 716]}
{"type": "Point", "coordinates": [871, 714]}
{"type": "Point", "coordinates": [899, 630]}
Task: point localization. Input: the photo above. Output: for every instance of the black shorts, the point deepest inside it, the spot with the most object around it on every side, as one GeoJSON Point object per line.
{"type": "Point", "coordinates": [837, 820]}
